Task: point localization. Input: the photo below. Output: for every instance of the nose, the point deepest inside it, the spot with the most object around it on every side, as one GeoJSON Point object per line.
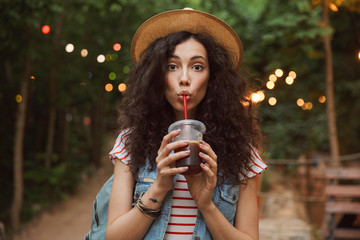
{"type": "Point", "coordinates": [184, 80]}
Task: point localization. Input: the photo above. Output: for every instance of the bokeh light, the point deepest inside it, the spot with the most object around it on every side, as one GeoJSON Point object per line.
{"type": "Point", "coordinates": [279, 72]}
{"type": "Point", "coordinates": [18, 98]}
{"type": "Point", "coordinates": [322, 99]}
{"type": "Point", "coordinates": [289, 80]}
{"type": "Point", "coordinates": [292, 74]}
{"type": "Point", "coordinates": [300, 102]}
{"type": "Point", "coordinates": [108, 57]}
{"type": "Point", "coordinates": [84, 52]}
{"type": "Point", "coordinates": [117, 47]}
{"type": "Point", "coordinates": [270, 85]}
{"type": "Point", "coordinates": [32, 77]}
{"type": "Point", "coordinates": [255, 97]}
{"type": "Point", "coordinates": [114, 56]}
{"type": "Point", "coordinates": [122, 87]}
{"type": "Point", "coordinates": [45, 29]}
{"type": "Point", "coordinates": [112, 76]}
{"type": "Point", "coordinates": [273, 78]}
{"type": "Point", "coordinates": [126, 69]}
{"type": "Point", "coordinates": [272, 101]}
{"type": "Point", "coordinates": [109, 87]}
{"type": "Point", "coordinates": [333, 7]}
{"type": "Point", "coordinates": [69, 47]}
{"type": "Point", "coordinates": [101, 58]}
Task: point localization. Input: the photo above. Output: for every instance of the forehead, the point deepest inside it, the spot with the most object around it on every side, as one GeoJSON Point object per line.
{"type": "Point", "coordinates": [190, 47]}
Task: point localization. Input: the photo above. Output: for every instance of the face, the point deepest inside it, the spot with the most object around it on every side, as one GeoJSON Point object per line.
{"type": "Point", "coordinates": [188, 75]}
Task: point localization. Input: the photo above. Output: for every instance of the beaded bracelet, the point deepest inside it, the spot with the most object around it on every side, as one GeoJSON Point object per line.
{"type": "Point", "coordinates": [150, 213]}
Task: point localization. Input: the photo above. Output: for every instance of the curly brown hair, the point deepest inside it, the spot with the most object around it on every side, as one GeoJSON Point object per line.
{"type": "Point", "coordinates": [226, 111]}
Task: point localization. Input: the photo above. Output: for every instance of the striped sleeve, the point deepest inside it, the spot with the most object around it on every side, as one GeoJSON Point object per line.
{"type": "Point", "coordinates": [119, 150]}
{"type": "Point", "coordinates": [257, 165]}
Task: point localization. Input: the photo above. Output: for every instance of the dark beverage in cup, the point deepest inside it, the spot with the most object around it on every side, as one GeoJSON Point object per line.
{"type": "Point", "coordinates": [193, 131]}
{"type": "Point", "coordinates": [193, 161]}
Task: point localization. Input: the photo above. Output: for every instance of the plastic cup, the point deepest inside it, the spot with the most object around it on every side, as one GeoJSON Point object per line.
{"type": "Point", "coordinates": [193, 131]}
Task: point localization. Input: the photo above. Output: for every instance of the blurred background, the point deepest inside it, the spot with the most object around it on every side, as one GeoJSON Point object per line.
{"type": "Point", "coordinates": [63, 72]}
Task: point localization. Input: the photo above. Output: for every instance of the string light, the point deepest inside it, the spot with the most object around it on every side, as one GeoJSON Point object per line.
{"type": "Point", "coordinates": [122, 87]}
{"type": "Point", "coordinates": [117, 47]}
{"type": "Point", "coordinates": [322, 99]}
{"type": "Point", "coordinates": [32, 77]}
{"type": "Point", "coordinates": [69, 48]}
{"type": "Point", "coordinates": [109, 87]}
{"type": "Point", "coordinates": [255, 97]}
{"type": "Point", "coordinates": [108, 57]}
{"type": "Point", "coordinates": [272, 101]}
{"type": "Point", "coordinates": [126, 69]}
{"type": "Point", "coordinates": [101, 58]}
{"type": "Point", "coordinates": [292, 74]}
{"type": "Point", "coordinates": [300, 102]}
{"type": "Point", "coordinates": [84, 52]}
{"type": "Point", "coordinates": [270, 85]}
{"type": "Point", "coordinates": [279, 72]}
{"type": "Point", "coordinates": [45, 29]}
{"type": "Point", "coordinates": [359, 55]}
{"type": "Point", "coordinates": [273, 78]}
{"type": "Point", "coordinates": [112, 76]}
{"type": "Point", "coordinates": [333, 7]}
{"type": "Point", "coordinates": [289, 80]}
{"type": "Point", "coordinates": [18, 98]}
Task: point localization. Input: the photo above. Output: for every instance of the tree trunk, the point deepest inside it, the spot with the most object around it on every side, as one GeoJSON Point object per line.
{"type": "Point", "coordinates": [53, 92]}
{"type": "Point", "coordinates": [18, 147]}
{"type": "Point", "coordinates": [330, 106]}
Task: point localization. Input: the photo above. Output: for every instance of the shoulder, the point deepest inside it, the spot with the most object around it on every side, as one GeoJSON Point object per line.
{"type": "Point", "coordinates": [256, 166]}
{"type": "Point", "coordinates": [120, 150]}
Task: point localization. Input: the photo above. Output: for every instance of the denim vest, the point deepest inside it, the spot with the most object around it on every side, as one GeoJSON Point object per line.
{"type": "Point", "coordinates": [225, 198]}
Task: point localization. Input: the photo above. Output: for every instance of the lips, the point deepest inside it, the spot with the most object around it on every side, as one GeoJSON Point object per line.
{"type": "Point", "coordinates": [184, 93]}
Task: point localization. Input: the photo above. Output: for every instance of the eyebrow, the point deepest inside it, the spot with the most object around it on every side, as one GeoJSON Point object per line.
{"type": "Point", "coordinates": [192, 58]}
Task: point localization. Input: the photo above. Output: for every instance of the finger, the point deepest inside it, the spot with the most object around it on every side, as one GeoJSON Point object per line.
{"type": "Point", "coordinates": [167, 138]}
{"type": "Point", "coordinates": [205, 147]}
{"type": "Point", "coordinates": [208, 161]}
{"type": "Point", "coordinates": [171, 147]}
{"type": "Point", "coordinates": [173, 171]}
{"type": "Point", "coordinates": [207, 171]}
{"type": "Point", "coordinates": [172, 158]}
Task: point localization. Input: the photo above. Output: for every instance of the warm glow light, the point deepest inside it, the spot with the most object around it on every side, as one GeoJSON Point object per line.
{"type": "Point", "coordinates": [300, 102]}
{"type": "Point", "coordinates": [45, 29]}
{"type": "Point", "coordinates": [279, 72]}
{"type": "Point", "coordinates": [333, 7]}
{"type": "Point", "coordinates": [289, 80]}
{"type": "Point", "coordinates": [117, 47]}
{"type": "Point", "coordinates": [270, 85]}
{"type": "Point", "coordinates": [32, 77]}
{"type": "Point", "coordinates": [18, 98]}
{"type": "Point", "coordinates": [101, 58]}
{"type": "Point", "coordinates": [112, 76]}
{"type": "Point", "coordinates": [359, 55]}
{"type": "Point", "coordinates": [262, 95]}
{"type": "Point", "coordinates": [122, 87]}
{"type": "Point", "coordinates": [273, 78]}
{"type": "Point", "coordinates": [69, 48]}
{"type": "Point", "coordinates": [272, 101]}
{"type": "Point", "coordinates": [84, 52]}
{"type": "Point", "coordinates": [109, 87]}
{"type": "Point", "coordinates": [322, 99]}
{"type": "Point", "coordinates": [292, 74]}
{"type": "Point", "coordinates": [304, 106]}
{"type": "Point", "coordinates": [255, 97]}
{"type": "Point", "coordinates": [309, 105]}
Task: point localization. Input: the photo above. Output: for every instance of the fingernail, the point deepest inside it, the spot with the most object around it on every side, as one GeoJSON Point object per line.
{"type": "Point", "coordinates": [185, 168]}
{"type": "Point", "coordinates": [187, 151]}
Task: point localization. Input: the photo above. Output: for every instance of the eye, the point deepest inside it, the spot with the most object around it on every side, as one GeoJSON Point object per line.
{"type": "Point", "coordinates": [198, 67]}
{"type": "Point", "coordinates": [172, 67]}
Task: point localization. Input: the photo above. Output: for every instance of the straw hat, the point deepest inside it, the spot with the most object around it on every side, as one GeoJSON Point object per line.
{"type": "Point", "coordinates": [189, 20]}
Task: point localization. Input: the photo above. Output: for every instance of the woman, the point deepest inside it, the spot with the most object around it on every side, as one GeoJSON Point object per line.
{"type": "Point", "coordinates": [191, 53]}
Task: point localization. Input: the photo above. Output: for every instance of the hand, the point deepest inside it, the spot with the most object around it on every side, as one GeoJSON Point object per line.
{"type": "Point", "coordinates": [166, 169]}
{"type": "Point", "coordinates": [201, 185]}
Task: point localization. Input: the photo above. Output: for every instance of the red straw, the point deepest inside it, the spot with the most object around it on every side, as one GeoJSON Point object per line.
{"type": "Point", "coordinates": [185, 107]}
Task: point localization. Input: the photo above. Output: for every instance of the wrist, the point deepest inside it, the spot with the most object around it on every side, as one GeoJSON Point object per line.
{"type": "Point", "coordinates": [206, 207]}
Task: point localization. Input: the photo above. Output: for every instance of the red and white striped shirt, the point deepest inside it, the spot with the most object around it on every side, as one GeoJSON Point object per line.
{"type": "Point", "coordinates": [183, 208]}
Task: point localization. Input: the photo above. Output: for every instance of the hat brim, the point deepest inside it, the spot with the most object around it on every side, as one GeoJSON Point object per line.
{"type": "Point", "coordinates": [192, 21]}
